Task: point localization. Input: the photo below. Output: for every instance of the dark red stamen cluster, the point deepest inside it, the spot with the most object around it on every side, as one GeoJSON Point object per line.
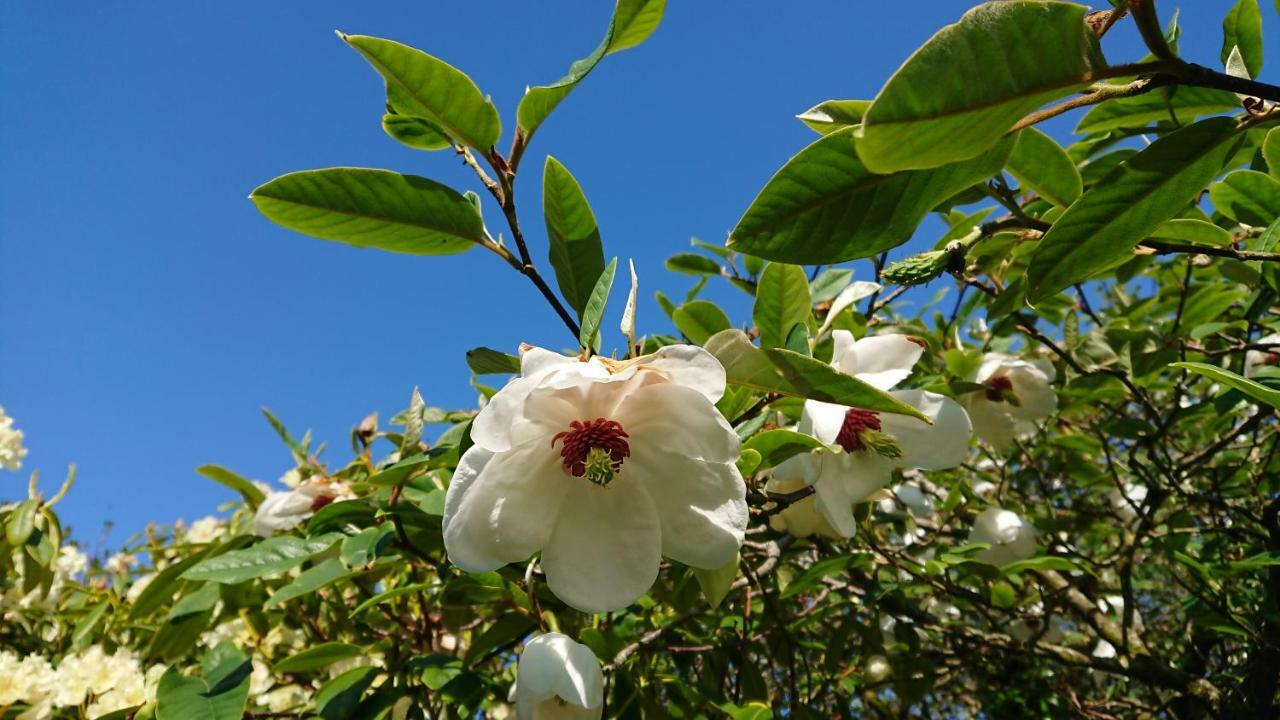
{"type": "Point", "coordinates": [582, 436]}
{"type": "Point", "coordinates": [997, 387]}
{"type": "Point", "coordinates": [855, 421]}
{"type": "Point", "coordinates": [321, 501]}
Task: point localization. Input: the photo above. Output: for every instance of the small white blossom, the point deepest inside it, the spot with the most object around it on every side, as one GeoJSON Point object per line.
{"type": "Point", "coordinates": [120, 563]}
{"type": "Point", "coordinates": [1127, 504]}
{"type": "Point", "coordinates": [558, 678]}
{"type": "Point", "coordinates": [876, 669]}
{"type": "Point", "coordinates": [205, 530]}
{"type": "Point", "coordinates": [1011, 538]}
{"type": "Point", "coordinates": [11, 450]}
{"type": "Point", "coordinates": [1255, 360]}
{"type": "Point", "coordinates": [284, 510]}
{"type": "Point", "coordinates": [1019, 394]}
{"type": "Point", "coordinates": [604, 467]}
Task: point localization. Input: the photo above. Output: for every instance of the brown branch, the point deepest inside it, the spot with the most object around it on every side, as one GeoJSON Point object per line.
{"type": "Point", "coordinates": [1164, 248]}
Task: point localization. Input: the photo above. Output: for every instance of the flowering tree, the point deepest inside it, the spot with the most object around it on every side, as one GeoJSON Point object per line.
{"type": "Point", "coordinates": [1055, 497]}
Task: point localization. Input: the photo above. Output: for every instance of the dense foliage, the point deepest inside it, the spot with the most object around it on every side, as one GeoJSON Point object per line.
{"type": "Point", "coordinates": [1055, 496]}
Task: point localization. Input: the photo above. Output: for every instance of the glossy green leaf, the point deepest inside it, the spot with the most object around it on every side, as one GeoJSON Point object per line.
{"type": "Point", "coordinates": [692, 264]}
{"type": "Point", "coordinates": [1247, 196]}
{"type": "Point", "coordinates": [716, 582]}
{"type": "Point", "coordinates": [202, 600]}
{"type": "Point", "coordinates": [1041, 164]}
{"type": "Point", "coordinates": [250, 492]}
{"type": "Point", "coordinates": [832, 115]}
{"type": "Point", "coordinates": [1242, 28]}
{"type": "Point", "coordinates": [338, 698]}
{"type": "Point", "coordinates": [829, 283]}
{"type": "Point", "coordinates": [366, 546]}
{"type": "Point", "coordinates": [1182, 103]}
{"type": "Point", "coordinates": [486, 361]}
{"type": "Point", "coordinates": [165, 584]}
{"type": "Point", "coordinates": [776, 446]}
{"type": "Point", "coordinates": [782, 300]}
{"type": "Point", "coordinates": [593, 311]}
{"type": "Point", "coordinates": [372, 208]}
{"type": "Point", "coordinates": [21, 522]}
{"type": "Point", "coordinates": [415, 132]}
{"type": "Point", "coordinates": [321, 575]}
{"type": "Point", "coordinates": [316, 657]}
{"type": "Point", "coordinates": [796, 375]}
{"type": "Point", "coordinates": [219, 694]}
{"type": "Point", "coordinates": [575, 250]}
{"type": "Point", "coordinates": [389, 595]}
{"type": "Point", "coordinates": [633, 21]}
{"type": "Point", "coordinates": [271, 556]}
{"type": "Point", "coordinates": [698, 320]}
{"type": "Point", "coordinates": [1101, 229]}
{"type": "Point", "coordinates": [1271, 151]}
{"type": "Point", "coordinates": [1191, 230]}
{"type": "Point", "coordinates": [427, 87]}
{"type": "Point", "coordinates": [824, 206]}
{"type": "Point", "coordinates": [961, 92]}
{"type": "Point", "coordinates": [1255, 390]}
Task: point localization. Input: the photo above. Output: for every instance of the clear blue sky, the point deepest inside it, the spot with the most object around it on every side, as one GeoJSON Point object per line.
{"type": "Point", "coordinates": [147, 310]}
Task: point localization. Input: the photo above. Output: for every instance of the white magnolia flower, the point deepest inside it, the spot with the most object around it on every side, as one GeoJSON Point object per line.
{"type": "Point", "coordinates": [558, 678]}
{"type": "Point", "coordinates": [1011, 538]}
{"type": "Point", "coordinates": [1127, 504]}
{"type": "Point", "coordinates": [284, 510]}
{"type": "Point", "coordinates": [1033, 625]}
{"type": "Point", "coordinates": [205, 530]}
{"type": "Point", "coordinates": [909, 496]}
{"type": "Point", "coordinates": [1019, 394]}
{"type": "Point", "coordinates": [801, 518]}
{"type": "Point", "coordinates": [120, 563]}
{"type": "Point", "coordinates": [1254, 360]}
{"type": "Point", "coordinates": [604, 467]}
{"type": "Point", "coordinates": [870, 445]}
{"type": "Point", "coordinates": [11, 449]}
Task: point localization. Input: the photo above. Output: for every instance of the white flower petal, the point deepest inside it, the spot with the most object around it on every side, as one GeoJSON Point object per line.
{"type": "Point", "coordinates": [690, 366]}
{"type": "Point", "coordinates": [846, 479]}
{"type": "Point", "coordinates": [501, 507]}
{"type": "Point", "coordinates": [281, 511]}
{"type": "Point", "coordinates": [1011, 538]}
{"type": "Point", "coordinates": [800, 518]}
{"type": "Point", "coordinates": [678, 421]}
{"type": "Point", "coordinates": [991, 423]}
{"type": "Point", "coordinates": [822, 420]}
{"type": "Point", "coordinates": [606, 546]}
{"type": "Point", "coordinates": [944, 444]}
{"type": "Point", "coordinates": [1036, 397]}
{"type": "Point", "coordinates": [702, 505]}
{"type": "Point", "coordinates": [554, 666]}
{"type": "Point", "coordinates": [881, 361]}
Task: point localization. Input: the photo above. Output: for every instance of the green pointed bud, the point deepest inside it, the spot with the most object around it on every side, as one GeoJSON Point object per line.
{"type": "Point", "coordinates": [600, 467]}
{"type": "Point", "coordinates": [1010, 398]}
{"type": "Point", "coordinates": [879, 443]}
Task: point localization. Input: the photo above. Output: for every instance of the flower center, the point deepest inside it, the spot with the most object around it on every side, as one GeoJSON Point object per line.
{"type": "Point", "coordinates": [999, 389]}
{"type": "Point", "coordinates": [593, 449]}
{"type": "Point", "coordinates": [856, 421]}
{"type": "Point", "coordinates": [320, 501]}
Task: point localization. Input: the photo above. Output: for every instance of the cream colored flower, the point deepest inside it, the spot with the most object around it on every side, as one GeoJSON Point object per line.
{"type": "Point", "coordinates": [1019, 394]}
{"type": "Point", "coordinates": [1254, 360]}
{"type": "Point", "coordinates": [205, 530]}
{"type": "Point", "coordinates": [1011, 538]}
{"type": "Point", "coordinates": [120, 563]}
{"type": "Point", "coordinates": [604, 467]}
{"type": "Point", "coordinates": [801, 518]}
{"type": "Point", "coordinates": [869, 445]}
{"type": "Point", "coordinates": [558, 678]}
{"type": "Point", "coordinates": [284, 510]}
{"type": "Point", "coordinates": [11, 450]}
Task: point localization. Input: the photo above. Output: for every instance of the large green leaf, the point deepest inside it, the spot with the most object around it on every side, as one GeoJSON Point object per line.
{"type": "Point", "coordinates": [1255, 390]}
{"type": "Point", "coordinates": [372, 208]}
{"type": "Point", "coordinates": [782, 300]}
{"type": "Point", "coordinates": [250, 492]}
{"type": "Point", "coordinates": [415, 132]}
{"type": "Point", "coordinates": [219, 694]}
{"type": "Point", "coordinates": [633, 21]}
{"type": "Point", "coordinates": [960, 92]}
{"type": "Point", "coordinates": [273, 555]}
{"type": "Point", "coordinates": [308, 581]}
{"type": "Point", "coordinates": [337, 699]}
{"type": "Point", "coordinates": [824, 206]}
{"type": "Point", "coordinates": [831, 115]}
{"type": "Point", "coordinates": [424, 86]}
{"type": "Point", "coordinates": [317, 656]}
{"type": "Point", "coordinates": [790, 373]}
{"type": "Point", "coordinates": [776, 446]}
{"type": "Point", "coordinates": [1271, 151]}
{"type": "Point", "coordinates": [1242, 28]}
{"type": "Point", "coordinates": [593, 311]}
{"type": "Point", "coordinates": [1101, 229]}
{"type": "Point", "coordinates": [1041, 164]}
{"type": "Point", "coordinates": [21, 522]}
{"type": "Point", "coordinates": [1247, 196]}
{"type": "Point", "coordinates": [1182, 103]}
{"type": "Point", "coordinates": [698, 320]}
{"type": "Point", "coordinates": [575, 250]}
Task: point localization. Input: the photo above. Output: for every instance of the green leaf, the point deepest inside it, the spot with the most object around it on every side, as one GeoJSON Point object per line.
{"type": "Point", "coordinates": [1242, 27]}
{"type": "Point", "coordinates": [389, 595]}
{"type": "Point", "coordinates": [813, 576]}
{"type": "Point", "coordinates": [782, 300]}
{"type": "Point", "coordinates": [372, 208]}
{"type": "Point", "coordinates": [338, 698]}
{"type": "Point", "coordinates": [484, 361]}
{"type": "Point", "coordinates": [1247, 196]}
{"type": "Point", "coordinates": [633, 21]}
{"type": "Point", "coordinates": [832, 115]}
{"type": "Point", "coordinates": [1044, 562]}
{"type": "Point", "coordinates": [1041, 164]}
{"type": "Point", "coordinates": [1192, 230]}
{"type": "Point", "coordinates": [1180, 103]}
{"type": "Point", "coordinates": [750, 711]}
{"type": "Point", "coordinates": [21, 523]}
{"type": "Point", "coordinates": [368, 545]}
{"type": "Point", "coordinates": [824, 206]}
{"type": "Point", "coordinates": [961, 92]}
{"type": "Point", "coordinates": [271, 556]}
{"type": "Point", "coordinates": [593, 311]}
{"type": "Point", "coordinates": [1255, 390]}
{"type": "Point", "coordinates": [424, 86]}
{"type": "Point", "coordinates": [159, 592]}
{"type": "Point", "coordinates": [200, 601]}
{"type": "Point", "coordinates": [575, 250]}
{"type": "Point", "coordinates": [308, 581]}
{"type": "Point", "coordinates": [1101, 229]}
{"type": "Point", "coordinates": [692, 264]}
{"type": "Point", "coordinates": [776, 446]}
{"type": "Point", "coordinates": [220, 694]}
{"type": "Point", "coordinates": [415, 132]}
{"type": "Point", "coordinates": [716, 583]}
{"type": "Point", "coordinates": [1271, 151]}
{"type": "Point", "coordinates": [316, 657]}
{"type": "Point", "coordinates": [438, 670]}
{"type": "Point", "coordinates": [250, 492]}
{"type": "Point", "coordinates": [699, 320]}
{"type": "Point", "coordinates": [796, 375]}
{"type": "Point", "coordinates": [829, 283]}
